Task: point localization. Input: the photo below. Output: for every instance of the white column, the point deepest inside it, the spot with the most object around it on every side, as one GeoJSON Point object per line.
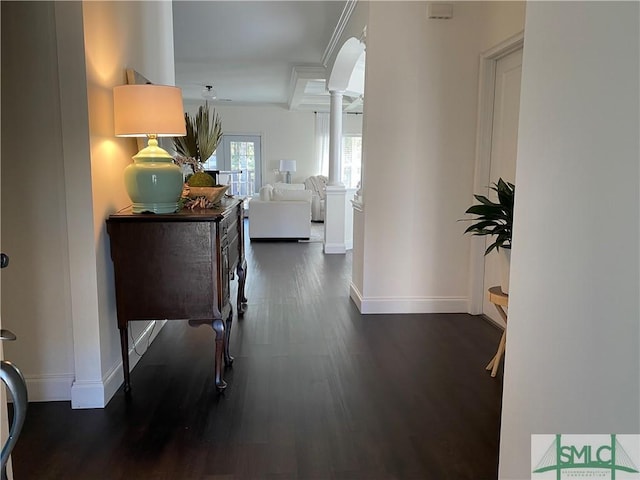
{"type": "Point", "coordinates": [335, 138]}
{"type": "Point", "coordinates": [334, 217]}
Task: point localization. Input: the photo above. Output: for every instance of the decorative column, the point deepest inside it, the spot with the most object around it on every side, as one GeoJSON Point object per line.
{"type": "Point", "coordinates": [334, 217]}
{"type": "Point", "coordinates": [335, 138]}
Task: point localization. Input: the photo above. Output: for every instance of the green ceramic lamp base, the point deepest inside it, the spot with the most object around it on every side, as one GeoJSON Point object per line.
{"type": "Point", "coordinates": [155, 207]}
{"type": "Point", "coordinates": [154, 183]}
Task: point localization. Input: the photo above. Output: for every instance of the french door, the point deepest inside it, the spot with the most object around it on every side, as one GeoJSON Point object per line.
{"type": "Point", "coordinates": [239, 162]}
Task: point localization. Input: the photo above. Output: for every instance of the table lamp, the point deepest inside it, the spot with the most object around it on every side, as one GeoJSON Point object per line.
{"type": "Point", "coordinates": [288, 166]}
{"type": "Point", "coordinates": [154, 183]}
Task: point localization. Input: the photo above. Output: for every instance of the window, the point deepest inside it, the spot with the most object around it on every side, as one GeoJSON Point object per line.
{"type": "Point", "coordinates": [238, 160]}
{"type": "Point", "coordinates": [351, 160]}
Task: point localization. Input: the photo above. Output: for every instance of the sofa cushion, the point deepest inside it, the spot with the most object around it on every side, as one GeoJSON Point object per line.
{"type": "Point", "coordinates": [265, 193]}
{"type": "Point", "coordinates": [289, 186]}
{"type": "Point", "coordinates": [289, 195]}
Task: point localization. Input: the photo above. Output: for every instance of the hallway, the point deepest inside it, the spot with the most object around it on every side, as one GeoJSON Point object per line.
{"type": "Point", "coordinates": [316, 391]}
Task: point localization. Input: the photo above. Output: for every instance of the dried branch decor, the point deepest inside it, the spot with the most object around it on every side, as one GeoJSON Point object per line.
{"type": "Point", "coordinates": [204, 131]}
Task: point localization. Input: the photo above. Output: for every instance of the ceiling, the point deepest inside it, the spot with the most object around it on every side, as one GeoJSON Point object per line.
{"type": "Point", "coordinates": [256, 52]}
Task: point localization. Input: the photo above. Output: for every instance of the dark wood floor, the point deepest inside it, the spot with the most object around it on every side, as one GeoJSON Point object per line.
{"type": "Point", "coordinates": [317, 391]}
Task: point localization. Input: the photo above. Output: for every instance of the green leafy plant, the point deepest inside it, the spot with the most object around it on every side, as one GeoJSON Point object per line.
{"type": "Point", "coordinates": [494, 218]}
{"type": "Point", "coordinates": [204, 131]}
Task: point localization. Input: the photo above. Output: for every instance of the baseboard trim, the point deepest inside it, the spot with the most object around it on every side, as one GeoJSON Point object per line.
{"type": "Point", "coordinates": [373, 305]}
{"type": "Point", "coordinates": [356, 296]}
{"type": "Point", "coordinates": [98, 394]}
{"type": "Point", "coordinates": [49, 388]}
{"type": "Point", "coordinates": [334, 248]}
{"type": "Point", "coordinates": [87, 395]}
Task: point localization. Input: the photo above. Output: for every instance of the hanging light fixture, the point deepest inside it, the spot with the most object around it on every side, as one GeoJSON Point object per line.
{"type": "Point", "coordinates": [209, 93]}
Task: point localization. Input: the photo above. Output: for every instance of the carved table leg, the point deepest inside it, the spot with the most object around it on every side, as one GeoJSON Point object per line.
{"type": "Point", "coordinates": [228, 359]}
{"type": "Point", "coordinates": [124, 347]}
{"type": "Point", "coordinates": [218, 327]}
{"type": "Point", "coordinates": [242, 277]}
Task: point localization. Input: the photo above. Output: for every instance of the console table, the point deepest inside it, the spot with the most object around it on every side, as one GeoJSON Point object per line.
{"type": "Point", "coordinates": [178, 266]}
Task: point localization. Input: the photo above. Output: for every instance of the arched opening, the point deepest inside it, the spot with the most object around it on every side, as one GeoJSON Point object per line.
{"type": "Point", "coordinates": [345, 80]}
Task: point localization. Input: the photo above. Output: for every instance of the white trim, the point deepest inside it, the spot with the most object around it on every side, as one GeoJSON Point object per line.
{"type": "Point", "coordinates": [335, 248]}
{"type": "Point", "coordinates": [355, 295]}
{"type": "Point", "coordinates": [98, 394]}
{"type": "Point", "coordinates": [349, 6]}
{"type": "Point", "coordinates": [49, 388]}
{"type": "Point", "coordinates": [410, 304]}
{"type": "Point", "coordinates": [484, 127]}
{"type": "Point", "coordinates": [87, 395]}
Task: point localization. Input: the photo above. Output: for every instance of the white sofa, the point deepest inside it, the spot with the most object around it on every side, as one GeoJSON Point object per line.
{"type": "Point", "coordinates": [282, 211]}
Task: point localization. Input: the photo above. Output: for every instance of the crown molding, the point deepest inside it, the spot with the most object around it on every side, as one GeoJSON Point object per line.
{"type": "Point", "coordinates": [349, 6]}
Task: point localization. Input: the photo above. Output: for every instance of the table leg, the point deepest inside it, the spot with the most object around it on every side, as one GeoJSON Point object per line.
{"type": "Point", "coordinates": [218, 327]}
{"type": "Point", "coordinates": [242, 277]}
{"type": "Point", "coordinates": [228, 359]}
{"type": "Point", "coordinates": [495, 361]}
{"type": "Point", "coordinates": [124, 347]}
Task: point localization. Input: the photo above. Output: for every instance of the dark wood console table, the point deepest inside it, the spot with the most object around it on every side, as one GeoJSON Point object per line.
{"type": "Point", "coordinates": [178, 267]}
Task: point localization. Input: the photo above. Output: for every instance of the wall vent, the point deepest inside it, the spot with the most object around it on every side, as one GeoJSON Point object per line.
{"type": "Point", "coordinates": [440, 11]}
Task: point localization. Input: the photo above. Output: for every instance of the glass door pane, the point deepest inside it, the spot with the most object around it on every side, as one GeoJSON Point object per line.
{"type": "Point", "coordinates": [241, 164]}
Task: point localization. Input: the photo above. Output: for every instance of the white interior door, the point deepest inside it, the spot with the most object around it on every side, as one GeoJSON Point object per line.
{"type": "Point", "coordinates": [504, 143]}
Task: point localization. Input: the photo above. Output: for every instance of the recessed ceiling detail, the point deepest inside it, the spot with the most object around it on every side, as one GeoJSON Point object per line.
{"type": "Point", "coordinates": [256, 52]}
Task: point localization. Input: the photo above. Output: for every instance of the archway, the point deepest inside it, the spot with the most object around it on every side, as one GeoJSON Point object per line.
{"type": "Point", "coordinates": [346, 78]}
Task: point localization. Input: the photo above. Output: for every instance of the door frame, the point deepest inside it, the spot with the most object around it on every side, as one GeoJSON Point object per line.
{"type": "Point", "coordinates": [484, 130]}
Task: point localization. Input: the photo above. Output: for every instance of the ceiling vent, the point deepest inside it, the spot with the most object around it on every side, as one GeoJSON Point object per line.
{"type": "Point", "coordinates": [440, 11]}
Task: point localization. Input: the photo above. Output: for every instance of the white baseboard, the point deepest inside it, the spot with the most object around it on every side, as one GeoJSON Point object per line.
{"type": "Point", "coordinates": [356, 296]}
{"type": "Point", "coordinates": [87, 395]}
{"type": "Point", "coordinates": [334, 248]}
{"type": "Point", "coordinates": [372, 305]}
{"type": "Point", "coordinates": [98, 394]}
{"type": "Point", "coordinates": [49, 388]}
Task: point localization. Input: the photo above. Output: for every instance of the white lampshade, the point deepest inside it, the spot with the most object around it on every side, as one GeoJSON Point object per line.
{"type": "Point", "coordinates": [142, 110]}
{"type": "Point", "coordinates": [287, 165]}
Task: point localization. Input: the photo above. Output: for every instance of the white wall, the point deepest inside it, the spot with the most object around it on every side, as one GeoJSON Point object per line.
{"type": "Point", "coordinates": [118, 35]}
{"type": "Point", "coordinates": [419, 146]}
{"type": "Point", "coordinates": [285, 135]}
{"type": "Point", "coordinates": [572, 362]}
{"type": "Point", "coordinates": [58, 295]}
{"type": "Point", "coordinates": [36, 287]}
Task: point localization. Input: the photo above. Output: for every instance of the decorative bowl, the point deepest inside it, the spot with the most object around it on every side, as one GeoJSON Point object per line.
{"type": "Point", "coordinates": [212, 194]}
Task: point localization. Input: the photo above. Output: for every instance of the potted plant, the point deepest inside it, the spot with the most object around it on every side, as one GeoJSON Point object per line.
{"type": "Point", "coordinates": [204, 131]}
{"type": "Point", "coordinates": [496, 219]}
